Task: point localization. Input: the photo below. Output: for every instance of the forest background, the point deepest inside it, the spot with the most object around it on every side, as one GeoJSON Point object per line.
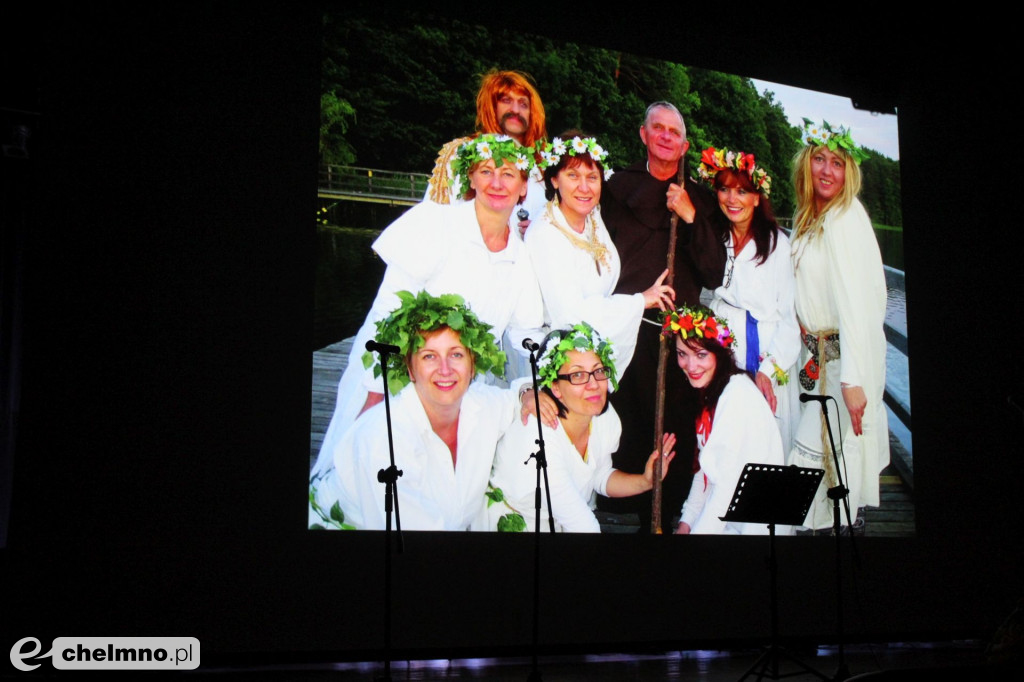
{"type": "Point", "coordinates": [392, 95]}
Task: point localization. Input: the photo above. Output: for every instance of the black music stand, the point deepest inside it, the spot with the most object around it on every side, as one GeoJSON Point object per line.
{"type": "Point", "coordinates": [774, 494]}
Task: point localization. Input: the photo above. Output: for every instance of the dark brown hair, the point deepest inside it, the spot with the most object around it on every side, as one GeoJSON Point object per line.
{"type": "Point", "coordinates": [569, 161]}
{"type": "Point", "coordinates": [763, 226]}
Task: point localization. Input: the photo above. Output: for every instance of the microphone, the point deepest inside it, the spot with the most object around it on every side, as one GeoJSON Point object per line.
{"type": "Point", "coordinates": [807, 397]}
{"type": "Point", "coordinates": [373, 346]}
{"type": "Point", "coordinates": [530, 345]}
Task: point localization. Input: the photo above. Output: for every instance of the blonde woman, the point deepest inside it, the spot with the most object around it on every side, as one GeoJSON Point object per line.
{"type": "Point", "coordinates": [840, 304]}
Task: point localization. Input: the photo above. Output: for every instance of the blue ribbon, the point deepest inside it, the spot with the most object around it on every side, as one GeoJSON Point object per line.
{"type": "Point", "coordinates": [753, 345]}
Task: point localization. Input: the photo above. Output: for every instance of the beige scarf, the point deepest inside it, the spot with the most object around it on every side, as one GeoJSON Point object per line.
{"type": "Point", "coordinates": [588, 241]}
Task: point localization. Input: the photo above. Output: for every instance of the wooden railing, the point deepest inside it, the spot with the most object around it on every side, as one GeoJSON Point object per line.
{"type": "Point", "coordinates": [370, 184]}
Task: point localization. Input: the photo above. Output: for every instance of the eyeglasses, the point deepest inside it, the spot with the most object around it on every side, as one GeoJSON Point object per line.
{"type": "Point", "coordinates": [580, 378]}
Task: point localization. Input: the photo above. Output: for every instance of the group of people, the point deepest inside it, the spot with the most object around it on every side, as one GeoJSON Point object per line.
{"type": "Point", "coordinates": [484, 263]}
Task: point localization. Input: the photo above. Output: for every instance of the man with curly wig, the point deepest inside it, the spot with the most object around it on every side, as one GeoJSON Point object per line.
{"type": "Point", "coordinates": [506, 103]}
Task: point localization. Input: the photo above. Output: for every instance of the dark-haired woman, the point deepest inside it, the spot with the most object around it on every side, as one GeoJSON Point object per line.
{"type": "Point", "coordinates": [576, 263]}
{"type": "Point", "coordinates": [735, 426]}
{"type": "Point", "coordinates": [756, 296]}
{"type": "Point", "coordinates": [576, 370]}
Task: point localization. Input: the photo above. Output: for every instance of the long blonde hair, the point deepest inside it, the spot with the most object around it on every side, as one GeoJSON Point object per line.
{"type": "Point", "coordinates": [806, 218]}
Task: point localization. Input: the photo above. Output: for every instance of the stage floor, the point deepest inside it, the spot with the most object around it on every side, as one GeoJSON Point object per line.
{"type": "Point", "coordinates": [961, 660]}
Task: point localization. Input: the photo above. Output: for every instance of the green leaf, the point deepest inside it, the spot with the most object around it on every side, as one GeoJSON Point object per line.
{"type": "Point", "coordinates": [336, 513]}
{"type": "Point", "coordinates": [512, 523]}
{"type": "Point", "coordinates": [455, 320]}
{"type": "Point", "coordinates": [316, 526]}
{"type": "Point", "coordinates": [494, 495]}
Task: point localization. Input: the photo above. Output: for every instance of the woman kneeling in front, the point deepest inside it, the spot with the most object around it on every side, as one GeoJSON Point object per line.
{"type": "Point", "coordinates": [735, 425]}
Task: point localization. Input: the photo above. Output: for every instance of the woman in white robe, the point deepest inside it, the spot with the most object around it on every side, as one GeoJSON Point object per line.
{"type": "Point", "coordinates": [756, 296]}
{"type": "Point", "coordinates": [576, 263]}
{"type": "Point", "coordinates": [735, 427]}
{"type": "Point", "coordinates": [464, 249]}
{"type": "Point", "coordinates": [445, 426]}
{"type": "Point", "coordinates": [575, 369]}
{"type": "Point", "coordinates": [840, 303]}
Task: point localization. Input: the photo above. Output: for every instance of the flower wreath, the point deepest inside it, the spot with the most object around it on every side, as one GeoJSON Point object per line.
{"type": "Point", "coordinates": [714, 160]}
{"type": "Point", "coordinates": [499, 148]}
{"type": "Point", "coordinates": [833, 138]}
{"type": "Point", "coordinates": [580, 337]}
{"type": "Point", "coordinates": [697, 322]}
{"type": "Point", "coordinates": [553, 151]}
{"type": "Point", "coordinates": [424, 313]}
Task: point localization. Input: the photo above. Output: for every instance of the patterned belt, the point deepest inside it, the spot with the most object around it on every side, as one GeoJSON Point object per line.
{"type": "Point", "coordinates": [822, 344]}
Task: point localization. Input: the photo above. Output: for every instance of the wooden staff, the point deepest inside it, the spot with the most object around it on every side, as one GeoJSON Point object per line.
{"type": "Point", "coordinates": [663, 351]}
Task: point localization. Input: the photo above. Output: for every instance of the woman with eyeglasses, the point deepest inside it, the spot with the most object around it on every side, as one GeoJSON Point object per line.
{"type": "Point", "coordinates": [756, 298]}
{"type": "Point", "coordinates": [576, 370]}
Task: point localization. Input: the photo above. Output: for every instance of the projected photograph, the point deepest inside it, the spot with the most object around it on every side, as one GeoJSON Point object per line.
{"type": "Point", "coordinates": [658, 272]}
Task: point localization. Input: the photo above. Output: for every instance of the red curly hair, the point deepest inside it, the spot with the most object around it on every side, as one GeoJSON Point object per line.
{"type": "Point", "coordinates": [496, 84]}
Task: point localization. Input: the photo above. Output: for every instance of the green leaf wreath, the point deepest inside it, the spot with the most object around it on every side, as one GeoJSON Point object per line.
{"type": "Point", "coordinates": [425, 313]}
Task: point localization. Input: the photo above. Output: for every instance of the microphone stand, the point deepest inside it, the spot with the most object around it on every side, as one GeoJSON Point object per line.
{"type": "Point", "coordinates": [389, 477]}
{"type": "Point", "coordinates": [836, 493]}
{"type": "Point", "coordinates": [542, 465]}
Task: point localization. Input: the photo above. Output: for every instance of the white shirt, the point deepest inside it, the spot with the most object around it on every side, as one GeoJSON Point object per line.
{"type": "Point", "coordinates": [433, 493]}
{"type": "Point", "coordinates": [743, 431]}
{"type": "Point", "coordinates": [840, 284]}
{"type": "Point", "coordinates": [573, 481]}
{"type": "Point", "coordinates": [574, 290]}
{"type": "Point", "coordinates": [767, 291]}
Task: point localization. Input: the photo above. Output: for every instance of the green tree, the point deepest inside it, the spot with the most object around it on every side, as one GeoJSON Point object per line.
{"type": "Point", "coordinates": [336, 117]}
{"type": "Point", "coordinates": [880, 192]}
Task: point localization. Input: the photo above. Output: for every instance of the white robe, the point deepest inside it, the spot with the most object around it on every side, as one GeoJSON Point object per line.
{"type": "Point", "coordinates": [767, 291]}
{"type": "Point", "coordinates": [572, 480]}
{"type": "Point", "coordinates": [743, 431]}
{"type": "Point", "coordinates": [840, 284]}
{"type": "Point", "coordinates": [574, 291]}
{"type": "Point", "coordinates": [433, 493]}
{"type": "Point", "coordinates": [440, 249]}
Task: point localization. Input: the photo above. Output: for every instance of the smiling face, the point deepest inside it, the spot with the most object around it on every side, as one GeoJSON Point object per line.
{"type": "Point", "coordinates": [498, 189]}
{"type": "Point", "coordinates": [738, 205]}
{"type": "Point", "coordinates": [664, 136]}
{"type": "Point", "coordinates": [579, 188]}
{"type": "Point", "coordinates": [828, 173]}
{"type": "Point", "coordinates": [441, 370]}
{"type": "Point", "coordinates": [587, 399]}
{"type": "Point", "coordinates": [697, 363]}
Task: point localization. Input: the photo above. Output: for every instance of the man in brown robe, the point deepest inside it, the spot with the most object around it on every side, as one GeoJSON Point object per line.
{"type": "Point", "coordinates": [637, 204]}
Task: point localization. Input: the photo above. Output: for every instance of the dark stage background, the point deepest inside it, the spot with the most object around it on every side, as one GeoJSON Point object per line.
{"type": "Point", "coordinates": [160, 245]}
